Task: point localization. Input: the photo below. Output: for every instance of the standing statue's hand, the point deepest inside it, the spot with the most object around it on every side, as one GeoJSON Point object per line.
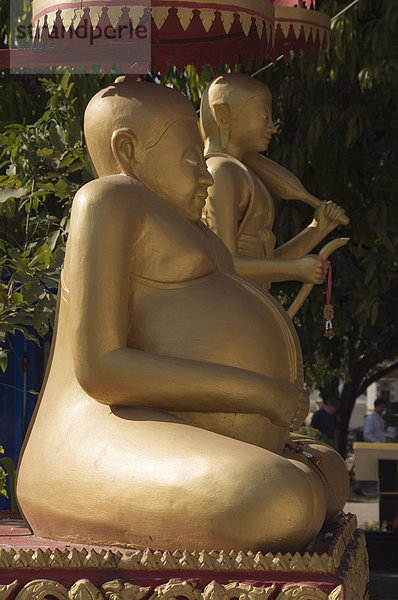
{"type": "Point", "coordinates": [328, 216]}
{"type": "Point", "coordinates": [309, 269]}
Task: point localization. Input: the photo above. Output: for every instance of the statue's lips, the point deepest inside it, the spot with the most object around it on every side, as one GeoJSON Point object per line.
{"type": "Point", "coordinates": [266, 141]}
{"type": "Point", "coordinates": [201, 195]}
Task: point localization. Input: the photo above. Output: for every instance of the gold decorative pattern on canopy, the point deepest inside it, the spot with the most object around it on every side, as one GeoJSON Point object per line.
{"type": "Point", "coordinates": [298, 28]}
{"type": "Point", "coordinates": [71, 12]}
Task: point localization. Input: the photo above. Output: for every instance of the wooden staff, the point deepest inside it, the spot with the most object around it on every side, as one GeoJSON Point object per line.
{"type": "Point", "coordinates": [307, 287]}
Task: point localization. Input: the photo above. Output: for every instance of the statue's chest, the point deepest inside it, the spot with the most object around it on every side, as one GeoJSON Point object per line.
{"type": "Point", "coordinates": [259, 211]}
{"type": "Point", "coordinates": [171, 249]}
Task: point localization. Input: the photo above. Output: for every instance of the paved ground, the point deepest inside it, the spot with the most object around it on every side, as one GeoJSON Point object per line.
{"type": "Point", "coordinates": [383, 585]}
{"type": "Point", "coordinates": [367, 512]}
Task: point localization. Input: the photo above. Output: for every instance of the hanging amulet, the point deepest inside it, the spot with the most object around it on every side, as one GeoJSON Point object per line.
{"type": "Point", "coordinates": [328, 314]}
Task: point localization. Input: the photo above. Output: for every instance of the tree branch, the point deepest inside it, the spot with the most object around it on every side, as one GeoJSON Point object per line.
{"type": "Point", "coordinates": [377, 376]}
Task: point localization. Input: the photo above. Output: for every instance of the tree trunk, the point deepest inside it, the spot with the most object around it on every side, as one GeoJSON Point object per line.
{"type": "Point", "coordinates": [347, 402]}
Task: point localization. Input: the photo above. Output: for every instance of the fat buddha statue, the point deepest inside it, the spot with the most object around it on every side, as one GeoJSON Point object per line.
{"type": "Point", "coordinates": [236, 124]}
{"type": "Point", "coordinates": [173, 382]}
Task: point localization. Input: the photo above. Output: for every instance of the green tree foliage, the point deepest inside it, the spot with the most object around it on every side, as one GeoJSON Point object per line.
{"type": "Point", "coordinates": [42, 166]}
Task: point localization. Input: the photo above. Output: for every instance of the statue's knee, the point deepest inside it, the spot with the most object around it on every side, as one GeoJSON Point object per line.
{"type": "Point", "coordinates": [336, 479]}
{"type": "Point", "coordinates": [270, 500]}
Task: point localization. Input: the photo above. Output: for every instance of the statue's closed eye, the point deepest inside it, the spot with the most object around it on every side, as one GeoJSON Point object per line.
{"type": "Point", "coordinates": [193, 157]}
{"type": "Point", "coordinates": [193, 161]}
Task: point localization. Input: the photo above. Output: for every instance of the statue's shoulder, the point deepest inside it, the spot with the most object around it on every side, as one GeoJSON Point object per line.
{"type": "Point", "coordinates": [112, 187]}
{"type": "Point", "coordinates": [225, 165]}
{"type": "Point", "coordinates": [229, 172]}
{"type": "Point", "coordinates": [116, 194]}
{"type": "Point", "coordinates": [226, 162]}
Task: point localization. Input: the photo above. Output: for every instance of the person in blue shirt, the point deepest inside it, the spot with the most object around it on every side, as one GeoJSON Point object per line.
{"type": "Point", "coordinates": [374, 429]}
{"type": "Point", "coordinates": [326, 421]}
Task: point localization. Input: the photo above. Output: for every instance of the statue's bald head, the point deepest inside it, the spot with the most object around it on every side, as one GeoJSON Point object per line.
{"type": "Point", "coordinates": [232, 90]}
{"type": "Point", "coordinates": [146, 109]}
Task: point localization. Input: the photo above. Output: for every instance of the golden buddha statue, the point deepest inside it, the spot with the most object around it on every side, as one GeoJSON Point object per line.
{"type": "Point", "coordinates": [172, 382]}
{"type": "Point", "coordinates": [236, 124]}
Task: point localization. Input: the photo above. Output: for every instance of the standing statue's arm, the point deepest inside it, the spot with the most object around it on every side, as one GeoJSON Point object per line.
{"type": "Point", "coordinates": [104, 237]}
{"type": "Point", "coordinates": [284, 184]}
{"type": "Point", "coordinates": [326, 218]}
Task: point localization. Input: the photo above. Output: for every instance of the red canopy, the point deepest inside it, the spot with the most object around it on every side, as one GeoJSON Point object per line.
{"type": "Point", "coordinates": [141, 37]}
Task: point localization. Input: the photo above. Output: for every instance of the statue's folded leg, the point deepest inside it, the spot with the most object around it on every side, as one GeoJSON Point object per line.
{"type": "Point", "coordinates": [329, 466]}
{"type": "Point", "coordinates": [146, 478]}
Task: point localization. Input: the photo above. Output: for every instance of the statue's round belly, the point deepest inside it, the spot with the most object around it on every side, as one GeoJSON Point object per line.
{"type": "Point", "coordinates": [216, 318]}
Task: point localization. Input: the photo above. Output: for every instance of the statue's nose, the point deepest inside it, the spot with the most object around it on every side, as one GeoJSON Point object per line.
{"type": "Point", "coordinates": [206, 178]}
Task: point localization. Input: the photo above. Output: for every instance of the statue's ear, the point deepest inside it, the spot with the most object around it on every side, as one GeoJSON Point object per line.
{"type": "Point", "coordinates": [222, 116]}
{"type": "Point", "coordinates": [124, 148]}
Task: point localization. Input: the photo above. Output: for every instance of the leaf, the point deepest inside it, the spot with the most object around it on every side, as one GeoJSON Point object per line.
{"type": "Point", "coordinates": [65, 81]}
{"type": "Point", "coordinates": [61, 134]}
{"type": "Point", "coordinates": [74, 131]}
{"type": "Point", "coordinates": [12, 170]}
{"type": "Point", "coordinates": [45, 152]}
{"type": "Point", "coordinates": [385, 240]}
{"type": "Point", "coordinates": [3, 360]}
{"type": "Point", "coordinates": [52, 239]}
{"type": "Point", "coordinates": [7, 193]}
{"type": "Point", "coordinates": [370, 271]}
{"type": "Point", "coordinates": [61, 189]}
{"type": "Point", "coordinates": [17, 298]}
{"type": "Point", "coordinates": [46, 186]}
{"type": "Point", "coordinates": [7, 208]}
{"type": "Point", "coordinates": [42, 257]}
{"type": "Point", "coordinates": [67, 161]}
{"type": "Point", "coordinates": [56, 140]}
{"type": "Point", "coordinates": [374, 312]}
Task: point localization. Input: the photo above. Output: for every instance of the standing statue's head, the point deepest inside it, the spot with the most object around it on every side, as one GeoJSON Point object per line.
{"type": "Point", "coordinates": [149, 132]}
{"type": "Point", "coordinates": [235, 115]}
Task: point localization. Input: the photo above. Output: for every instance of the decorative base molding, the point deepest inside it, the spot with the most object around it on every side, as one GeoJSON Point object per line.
{"type": "Point", "coordinates": [337, 569]}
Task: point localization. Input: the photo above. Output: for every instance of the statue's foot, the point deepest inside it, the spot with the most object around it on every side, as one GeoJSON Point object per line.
{"type": "Point", "coordinates": [329, 466]}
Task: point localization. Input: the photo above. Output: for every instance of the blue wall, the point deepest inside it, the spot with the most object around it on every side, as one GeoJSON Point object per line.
{"type": "Point", "coordinates": [24, 373]}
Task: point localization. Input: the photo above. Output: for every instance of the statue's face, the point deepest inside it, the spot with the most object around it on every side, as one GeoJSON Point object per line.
{"type": "Point", "coordinates": [176, 170]}
{"type": "Point", "coordinates": [253, 127]}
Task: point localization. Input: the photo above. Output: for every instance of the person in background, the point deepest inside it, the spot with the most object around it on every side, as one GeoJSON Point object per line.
{"type": "Point", "coordinates": [326, 421]}
{"type": "Point", "coordinates": [374, 429]}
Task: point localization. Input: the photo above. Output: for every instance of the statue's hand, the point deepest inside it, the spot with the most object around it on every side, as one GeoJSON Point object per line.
{"type": "Point", "coordinates": [302, 410]}
{"type": "Point", "coordinates": [328, 216]}
{"type": "Point", "coordinates": [309, 269]}
{"type": "Point", "coordinates": [290, 404]}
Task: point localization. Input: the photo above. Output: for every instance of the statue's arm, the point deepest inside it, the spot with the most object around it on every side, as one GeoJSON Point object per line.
{"type": "Point", "coordinates": [104, 238]}
{"type": "Point", "coordinates": [283, 183]}
{"type": "Point", "coordinates": [326, 219]}
{"type": "Point", "coordinates": [227, 198]}
{"type": "Point", "coordinates": [223, 207]}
